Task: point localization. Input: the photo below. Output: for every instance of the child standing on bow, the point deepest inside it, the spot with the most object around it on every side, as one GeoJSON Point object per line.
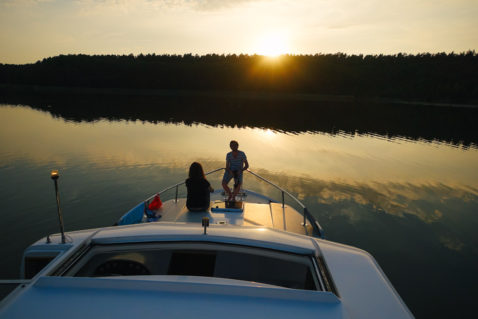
{"type": "Point", "coordinates": [236, 163]}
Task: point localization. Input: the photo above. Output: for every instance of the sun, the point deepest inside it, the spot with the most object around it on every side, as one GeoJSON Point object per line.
{"type": "Point", "coordinates": [272, 45]}
{"type": "Point", "coordinates": [266, 134]}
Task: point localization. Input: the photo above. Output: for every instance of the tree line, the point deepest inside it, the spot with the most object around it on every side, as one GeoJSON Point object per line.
{"type": "Point", "coordinates": [430, 77]}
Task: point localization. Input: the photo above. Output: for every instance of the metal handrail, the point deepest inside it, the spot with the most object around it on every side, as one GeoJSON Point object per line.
{"type": "Point", "coordinates": [177, 186]}
{"type": "Point", "coordinates": [307, 215]}
{"type": "Point", "coordinates": [279, 188]}
{"type": "Point", "coordinates": [315, 224]}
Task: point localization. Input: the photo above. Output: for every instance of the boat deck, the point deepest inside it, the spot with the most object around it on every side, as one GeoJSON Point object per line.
{"type": "Point", "coordinates": [257, 211]}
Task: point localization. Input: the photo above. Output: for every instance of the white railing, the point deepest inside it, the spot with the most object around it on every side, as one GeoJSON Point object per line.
{"type": "Point", "coordinates": [305, 212]}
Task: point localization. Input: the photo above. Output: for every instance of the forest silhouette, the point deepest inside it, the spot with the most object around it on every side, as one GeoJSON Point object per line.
{"type": "Point", "coordinates": [441, 77]}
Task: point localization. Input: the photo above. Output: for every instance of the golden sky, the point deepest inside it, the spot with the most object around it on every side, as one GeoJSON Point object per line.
{"type": "Point", "coordinates": [34, 29]}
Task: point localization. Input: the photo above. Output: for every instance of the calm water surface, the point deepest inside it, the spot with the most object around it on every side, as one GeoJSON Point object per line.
{"type": "Point", "coordinates": [412, 204]}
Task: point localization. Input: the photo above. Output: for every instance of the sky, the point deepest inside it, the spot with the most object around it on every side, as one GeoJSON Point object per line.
{"type": "Point", "coordinates": [31, 30]}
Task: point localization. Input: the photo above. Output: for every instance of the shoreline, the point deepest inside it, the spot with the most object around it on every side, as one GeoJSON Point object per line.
{"type": "Point", "coordinates": [251, 95]}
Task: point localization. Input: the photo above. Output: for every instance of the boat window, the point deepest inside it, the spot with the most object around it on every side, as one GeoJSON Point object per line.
{"type": "Point", "coordinates": [199, 259]}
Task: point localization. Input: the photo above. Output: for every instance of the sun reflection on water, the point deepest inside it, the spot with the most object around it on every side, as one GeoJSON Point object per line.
{"type": "Point", "coordinates": [360, 158]}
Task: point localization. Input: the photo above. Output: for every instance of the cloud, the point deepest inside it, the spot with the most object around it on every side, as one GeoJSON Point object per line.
{"type": "Point", "coordinates": [200, 5]}
{"type": "Point", "coordinates": [23, 3]}
{"type": "Point", "coordinates": [146, 7]}
{"type": "Point", "coordinates": [211, 5]}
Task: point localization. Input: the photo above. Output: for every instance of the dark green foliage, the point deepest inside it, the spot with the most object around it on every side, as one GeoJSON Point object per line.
{"type": "Point", "coordinates": [430, 77]}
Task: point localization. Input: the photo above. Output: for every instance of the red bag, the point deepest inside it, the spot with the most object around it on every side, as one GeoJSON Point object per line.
{"type": "Point", "coordinates": [156, 203]}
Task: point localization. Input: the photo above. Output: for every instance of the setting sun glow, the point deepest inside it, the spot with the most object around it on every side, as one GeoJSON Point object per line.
{"type": "Point", "coordinates": [272, 45]}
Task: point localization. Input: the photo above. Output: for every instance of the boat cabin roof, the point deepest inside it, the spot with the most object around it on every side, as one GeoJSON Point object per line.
{"type": "Point", "coordinates": [220, 233]}
{"type": "Point", "coordinates": [167, 297]}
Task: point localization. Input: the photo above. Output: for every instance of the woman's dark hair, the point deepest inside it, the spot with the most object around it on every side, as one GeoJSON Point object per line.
{"type": "Point", "coordinates": [196, 171]}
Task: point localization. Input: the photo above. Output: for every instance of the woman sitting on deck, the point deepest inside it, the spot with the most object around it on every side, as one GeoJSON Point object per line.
{"type": "Point", "coordinates": [198, 189]}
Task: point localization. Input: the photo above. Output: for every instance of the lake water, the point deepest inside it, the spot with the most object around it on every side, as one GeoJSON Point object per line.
{"type": "Point", "coordinates": [411, 202]}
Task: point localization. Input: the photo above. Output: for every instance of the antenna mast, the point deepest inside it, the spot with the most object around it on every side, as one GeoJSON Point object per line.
{"type": "Point", "coordinates": [54, 176]}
